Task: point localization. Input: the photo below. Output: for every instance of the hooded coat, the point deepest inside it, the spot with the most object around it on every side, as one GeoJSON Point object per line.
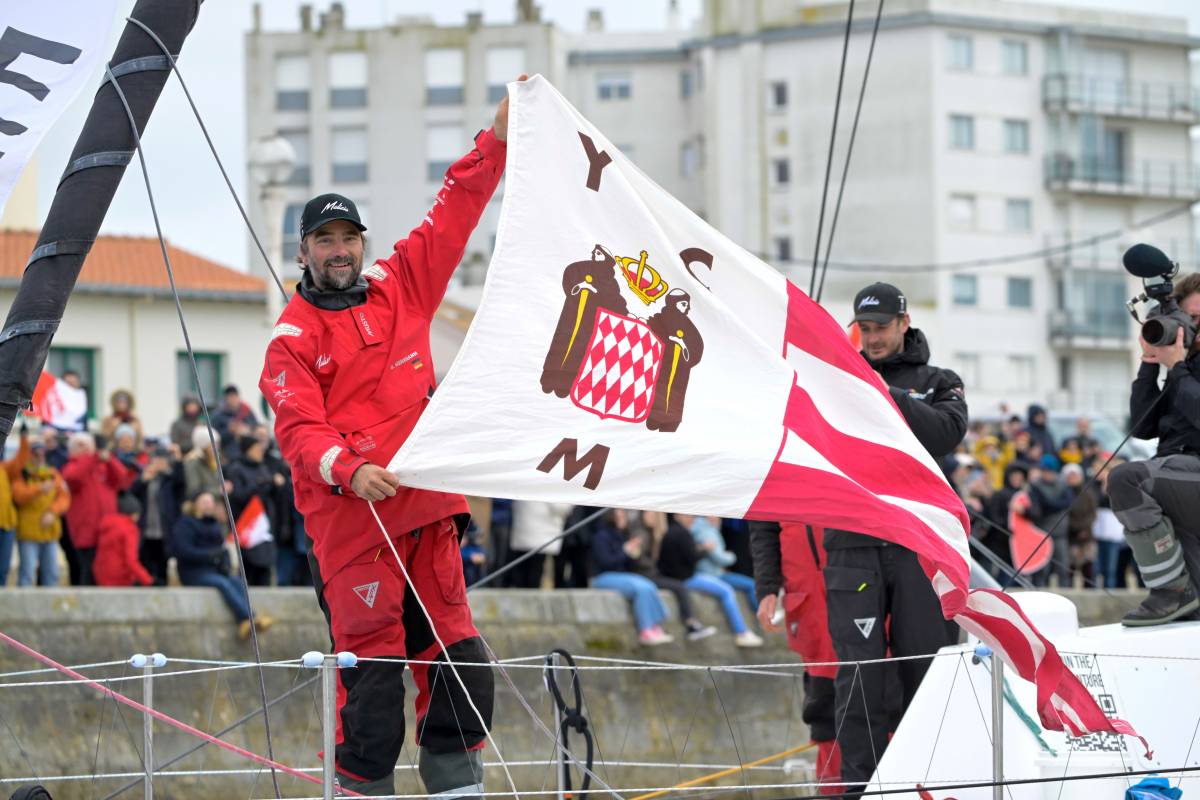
{"type": "Point", "coordinates": [933, 404]}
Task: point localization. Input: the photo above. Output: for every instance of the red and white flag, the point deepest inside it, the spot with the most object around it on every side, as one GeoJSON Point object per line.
{"type": "Point", "coordinates": [627, 354]}
{"type": "Point", "coordinates": [59, 404]}
{"type": "Point", "coordinates": [253, 525]}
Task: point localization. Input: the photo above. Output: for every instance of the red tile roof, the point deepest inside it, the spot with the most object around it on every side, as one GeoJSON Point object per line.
{"type": "Point", "coordinates": [134, 265]}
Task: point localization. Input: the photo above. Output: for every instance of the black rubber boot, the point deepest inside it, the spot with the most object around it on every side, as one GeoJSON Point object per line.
{"type": "Point", "coordinates": [380, 787]}
{"type": "Point", "coordinates": [1163, 606]}
{"type": "Point", "coordinates": [452, 776]}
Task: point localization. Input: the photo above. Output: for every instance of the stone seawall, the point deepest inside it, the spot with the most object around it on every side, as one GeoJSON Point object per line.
{"type": "Point", "coordinates": [649, 716]}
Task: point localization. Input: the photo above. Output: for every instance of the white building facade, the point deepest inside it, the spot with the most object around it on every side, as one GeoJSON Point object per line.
{"type": "Point", "coordinates": [988, 129]}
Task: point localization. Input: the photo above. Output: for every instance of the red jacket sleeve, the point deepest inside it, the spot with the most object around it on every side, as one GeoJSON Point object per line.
{"type": "Point", "coordinates": [425, 260]}
{"type": "Point", "coordinates": [306, 439]}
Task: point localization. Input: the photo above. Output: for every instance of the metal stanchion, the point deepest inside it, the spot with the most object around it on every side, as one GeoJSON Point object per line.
{"type": "Point", "coordinates": [328, 724]}
{"type": "Point", "coordinates": [997, 726]}
{"type": "Point", "coordinates": [329, 664]}
{"type": "Point", "coordinates": [147, 665]}
{"type": "Point", "coordinates": [996, 666]}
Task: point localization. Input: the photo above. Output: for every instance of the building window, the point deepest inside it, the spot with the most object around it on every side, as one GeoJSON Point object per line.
{"type": "Point", "coordinates": [302, 171]}
{"type": "Point", "coordinates": [777, 93]}
{"type": "Point", "coordinates": [291, 231]}
{"type": "Point", "coordinates": [960, 53]}
{"type": "Point", "coordinates": [783, 249]}
{"type": "Point", "coordinates": [962, 210]}
{"type": "Point", "coordinates": [614, 85]}
{"type": "Point", "coordinates": [962, 132]}
{"type": "Point", "coordinates": [349, 146]}
{"type": "Point", "coordinates": [443, 146]}
{"type": "Point", "coordinates": [209, 366]}
{"type": "Point", "coordinates": [1016, 136]}
{"type": "Point", "coordinates": [81, 360]}
{"type": "Point", "coordinates": [444, 76]}
{"type": "Point", "coordinates": [967, 367]}
{"type": "Point", "coordinates": [966, 290]}
{"type": "Point", "coordinates": [292, 79]}
{"type": "Point", "coordinates": [504, 64]}
{"type": "Point", "coordinates": [689, 159]}
{"type": "Point", "coordinates": [347, 80]}
{"type": "Point", "coordinates": [1018, 215]}
{"type": "Point", "coordinates": [1020, 373]}
{"type": "Point", "coordinates": [781, 171]}
{"type": "Point", "coordinates": [1020, 292]}
{"type": "Point", "coordinates": [1064, 373]}
{"type": "Point", "coordinates": [685, 84]}
{"type": "Point", "coordinates": [1015, 57]}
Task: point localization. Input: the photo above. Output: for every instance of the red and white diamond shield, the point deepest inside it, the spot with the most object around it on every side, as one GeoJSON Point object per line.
{"type": "Point", "coordinates": [620, 369]}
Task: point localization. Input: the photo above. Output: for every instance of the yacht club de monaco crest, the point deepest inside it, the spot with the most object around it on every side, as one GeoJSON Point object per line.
{"type": "Point", "coordinates": [624, 344]}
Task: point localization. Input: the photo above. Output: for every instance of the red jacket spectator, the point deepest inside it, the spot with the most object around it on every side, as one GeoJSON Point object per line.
{"type": "Point", "coordinates": [117, 553]}
{"type": "Point", "coordinates": [94, 482]}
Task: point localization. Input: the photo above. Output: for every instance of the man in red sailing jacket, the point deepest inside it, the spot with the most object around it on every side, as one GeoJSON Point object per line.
{"type": "Point", "coordinates": [790, 556]}
{"type": "Point", "coordinates": [348, 372]}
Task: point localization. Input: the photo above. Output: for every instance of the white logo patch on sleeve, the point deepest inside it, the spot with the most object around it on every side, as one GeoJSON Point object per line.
{"type": "Point", "coordinates": [285, 329]}
{"type": "Point", "coordinates": [375, 272]}
{"type": "Point", "coordinates": [865, 625]}
{"type": "Point", "coordinates": [367, 593]}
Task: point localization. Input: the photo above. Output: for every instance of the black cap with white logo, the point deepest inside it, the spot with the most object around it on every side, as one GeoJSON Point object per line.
{"type": "Point", "coordinates": [326, 208]}
{"type": "Point", "coordinates": [879, 302]}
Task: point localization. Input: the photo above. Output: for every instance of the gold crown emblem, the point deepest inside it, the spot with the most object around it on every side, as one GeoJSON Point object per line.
{"type": "Point", "coordinates": [642, 278]}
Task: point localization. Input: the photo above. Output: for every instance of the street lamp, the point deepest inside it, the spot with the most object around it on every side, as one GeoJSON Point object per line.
{"type": "Point", "coordinates": [272, 159]}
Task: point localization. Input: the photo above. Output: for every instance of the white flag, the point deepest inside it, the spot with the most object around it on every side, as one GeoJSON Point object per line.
{"type": "Point", "coordinates": [48, 51]}
{"type": "Point", "coordinates": [627, 354]}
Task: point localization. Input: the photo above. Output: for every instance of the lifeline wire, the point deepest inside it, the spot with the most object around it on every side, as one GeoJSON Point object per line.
{"type": "Point", "coordinates": [262, 685]}
{"type": "Point", "coordinates": [158, 715]}
{"type": "Point", "coordinates": [837, 107]}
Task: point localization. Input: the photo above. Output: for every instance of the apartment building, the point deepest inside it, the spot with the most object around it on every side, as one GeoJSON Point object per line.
{"type": "Point", "coordinates": [988, 129]}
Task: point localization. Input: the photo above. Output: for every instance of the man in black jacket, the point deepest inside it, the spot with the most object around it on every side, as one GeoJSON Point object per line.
{"type": "Point", "coordinates": [1158, 500]}
{"type": "Point", "coordinates": [880, 601]}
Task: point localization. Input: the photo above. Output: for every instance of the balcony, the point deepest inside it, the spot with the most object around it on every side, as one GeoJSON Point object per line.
{"type": "Point", "coordinates": [1105, 329]}
{"type": "Point", "coordinates": [1078, 94]}
{"type": "Point", "coordinates": [1099, 250]}
{"type": "Point", "coordinates": [1147, 178]}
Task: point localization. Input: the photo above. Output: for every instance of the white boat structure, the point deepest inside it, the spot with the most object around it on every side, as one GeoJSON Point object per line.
{"type": "Point", "coordinates": [1148, 676]}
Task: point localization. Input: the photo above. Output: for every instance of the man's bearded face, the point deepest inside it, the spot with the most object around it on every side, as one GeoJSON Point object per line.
{"type": "Point", "coordinates": [333, 254]}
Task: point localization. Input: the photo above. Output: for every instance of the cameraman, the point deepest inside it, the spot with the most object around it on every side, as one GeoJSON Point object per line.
{"type": "Point", "coordinates": [1148, 495]}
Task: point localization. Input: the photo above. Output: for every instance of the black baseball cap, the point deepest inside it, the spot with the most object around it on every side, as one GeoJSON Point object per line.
{"type": "Point", "coordinates": [327, 208]}
{"type": "Point", "coordinates": [879, 302]}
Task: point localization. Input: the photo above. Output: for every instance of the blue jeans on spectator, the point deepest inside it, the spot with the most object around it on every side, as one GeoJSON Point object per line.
{"type": "Point", "coordinates": [648, 609]}
{"type": "Point", "coordinates": [8, 539]}
{"type": "Point", "coordinates": [1107, 556]}
{"type": "Point", "coordinates": [40, 558]}
{"type": "Point", "coordinates": [230, 588]}
{"type": "Point", "coordinates": [743, 584]}
{"type": "Point", "coordinates": [715, 587]}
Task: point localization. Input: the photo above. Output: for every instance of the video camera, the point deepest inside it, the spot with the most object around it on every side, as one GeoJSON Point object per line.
{"type": "Point", "coordinates": [1164, 317]}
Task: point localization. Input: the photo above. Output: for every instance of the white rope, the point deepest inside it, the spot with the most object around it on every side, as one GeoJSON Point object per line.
{"type": "Point", "coordinates": [387, 537]}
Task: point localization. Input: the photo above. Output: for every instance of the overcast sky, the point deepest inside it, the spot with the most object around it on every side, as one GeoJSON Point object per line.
{"type": "Point", "coordinates": [194, 205]}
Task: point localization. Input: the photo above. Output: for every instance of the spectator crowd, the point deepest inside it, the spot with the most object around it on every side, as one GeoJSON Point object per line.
{"type": "Point", "coordinates": [117, 506]}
